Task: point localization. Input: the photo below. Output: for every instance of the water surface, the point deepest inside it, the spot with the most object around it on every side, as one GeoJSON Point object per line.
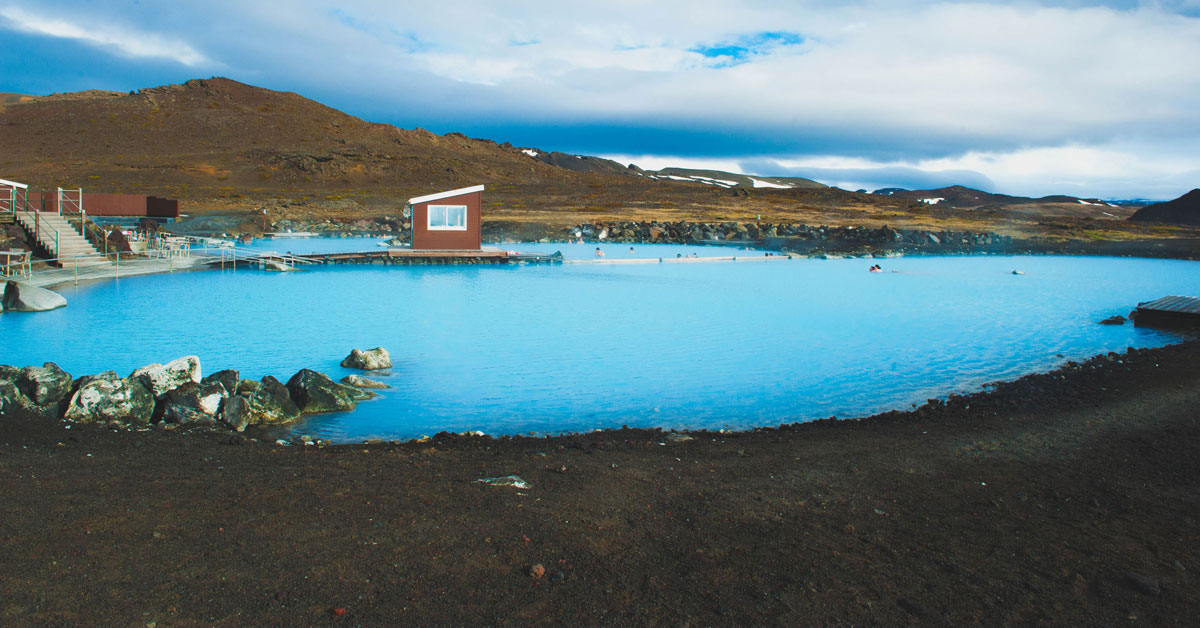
{"type": "Point", "coordinates": [581, 346]}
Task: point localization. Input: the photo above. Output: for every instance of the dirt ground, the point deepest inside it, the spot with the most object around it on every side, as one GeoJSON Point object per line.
{"type": "Point", "coordinates": [1066, 499]}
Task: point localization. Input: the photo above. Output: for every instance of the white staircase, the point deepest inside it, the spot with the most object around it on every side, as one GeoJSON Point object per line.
{"type": "Point", "coordinates": [61, 238]}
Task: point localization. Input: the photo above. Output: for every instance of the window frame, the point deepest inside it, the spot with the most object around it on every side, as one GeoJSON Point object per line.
{"type": "Point", "coordinates": [429, 210]}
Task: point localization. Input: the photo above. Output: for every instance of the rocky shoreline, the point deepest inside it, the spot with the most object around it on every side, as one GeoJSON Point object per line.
{"type": "Point", "coordinates": [795, 238]}
{"type": "Point", "coordinates": [175, 395]}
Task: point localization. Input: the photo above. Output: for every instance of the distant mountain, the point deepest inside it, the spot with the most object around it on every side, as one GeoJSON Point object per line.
{"type": "Point", "coordinates": [579, 163]}
{"type": "Point", "coordinates": [730, 180]}
{"type": "Point", "coordinates": [1184, 210]}
{"type": "Point", "coordinates": [716, 178]}
{"type": "Point", "coordinates": [964, 197]}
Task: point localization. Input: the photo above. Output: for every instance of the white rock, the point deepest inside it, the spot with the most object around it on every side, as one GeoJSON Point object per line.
{"type": "Point", "coordinates": [209, 404]}
{"type": "Point", "coordinates": [18, 298]}
{"type": "Point", "coordinates": [369, 360]}
{"type": "Point", "coordinates": [172, 375]}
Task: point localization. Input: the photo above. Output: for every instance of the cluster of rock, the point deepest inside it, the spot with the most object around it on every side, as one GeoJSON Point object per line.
{"type": "Point", "coordinates": [783, 235]}
{"type": "Point", "coordinates": [176, 394]}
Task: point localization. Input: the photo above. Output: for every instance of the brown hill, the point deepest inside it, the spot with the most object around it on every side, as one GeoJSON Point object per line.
{"type": "Point", "coordinates": [223, 146]}
{"type": "Point", "coordinates": [1184, 210]}
{"type": "Point", "coordinates": [205, 137]}
{"type": "Point", "coordinates": [964, 198]}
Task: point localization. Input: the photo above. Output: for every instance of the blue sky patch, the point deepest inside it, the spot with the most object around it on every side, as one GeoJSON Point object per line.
{"type": "Point", "coordinates": [745, 47]}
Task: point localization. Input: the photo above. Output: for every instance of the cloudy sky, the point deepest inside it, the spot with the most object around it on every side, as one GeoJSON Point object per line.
{"type": "Point", "coordinates": [1074, 97]}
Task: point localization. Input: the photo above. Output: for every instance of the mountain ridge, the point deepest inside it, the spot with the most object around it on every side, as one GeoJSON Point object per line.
{"type": "Point", "coordinates": [1184, 210]}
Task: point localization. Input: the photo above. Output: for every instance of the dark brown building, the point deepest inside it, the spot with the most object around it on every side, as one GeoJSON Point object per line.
{"type": "Point", "coordinates": [447, 221]}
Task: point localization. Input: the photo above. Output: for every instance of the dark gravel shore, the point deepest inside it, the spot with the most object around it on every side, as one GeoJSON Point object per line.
{"type": "Point", "coordinates": [1068, 498]}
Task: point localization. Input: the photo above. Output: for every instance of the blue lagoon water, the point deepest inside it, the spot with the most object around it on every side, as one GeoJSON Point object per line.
{"type": "Point", "coordinates": [570, 348]}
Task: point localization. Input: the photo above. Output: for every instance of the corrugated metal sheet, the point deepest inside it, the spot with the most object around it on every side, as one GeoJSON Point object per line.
{"type": "Point", "coordinates": [1180, 305]}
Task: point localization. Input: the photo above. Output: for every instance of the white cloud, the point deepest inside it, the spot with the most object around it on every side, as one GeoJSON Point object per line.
{"type": "Point", "coordinates": [987, 86]}
{"type": "Point", "coordinates": [1114, 171]}
{"type": "Point", "coordinates": [129, 42]}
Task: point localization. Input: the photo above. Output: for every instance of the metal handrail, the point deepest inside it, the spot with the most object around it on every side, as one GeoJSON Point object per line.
{"type": "Point", "coordinates": [225, 254]}
{"type": "Point", "coordinates": [40, 229]}
{"type": "Point", "coordinates": [64, 209]}
{"type": "Point", "coordinates": [234, 254]}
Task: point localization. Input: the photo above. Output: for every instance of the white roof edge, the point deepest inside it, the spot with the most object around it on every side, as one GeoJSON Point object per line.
{"type": "Point", "coordinates": [440, 195]}
{"type": "Point", "coordinates": [23, 186]}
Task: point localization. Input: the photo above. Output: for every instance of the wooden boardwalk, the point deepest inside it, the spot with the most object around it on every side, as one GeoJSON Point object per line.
{"type": "Point", "coordinates": [1171, 311]}
{"type": "Point", "coordinates": [409, 256]}
{"type": "Point", "coordinates": [681, 260]}
{"type": "Point", "coordinates": [50, 277]}
{"type": "Point", "coordinates": [45, 276]}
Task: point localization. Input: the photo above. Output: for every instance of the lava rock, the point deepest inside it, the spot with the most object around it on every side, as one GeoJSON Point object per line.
{"type": "Point", "coordinates": [11, 398]}
{"type": "Point", "coordinates": [314, 392]}
{"type": "Point", "coordinates": [46, 384]}
{"type": "Point", "coordinates": [228, 379]}
{"type": "Point", "coordinates": [369, 360]}
{"type": "Point", "coordinates": [110, 399]}
{"type": "Point", "coordinates": [236, 413]}
{"type": "Point", "coordinates": [1113, 320]}
{"type": "Point", "coordinates": [188, 404]}
{"type": "Point", "coordinates": [269, 404]}
{"type": "Point", "coordinates": [362, 382]}
{"type": "Point", "coordinates": [161, 379]}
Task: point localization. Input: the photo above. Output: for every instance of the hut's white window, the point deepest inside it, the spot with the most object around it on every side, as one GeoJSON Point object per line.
{"type": "Point", "coordinates": [448, 217]}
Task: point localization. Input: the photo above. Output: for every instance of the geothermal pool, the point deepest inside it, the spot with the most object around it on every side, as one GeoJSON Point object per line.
{"type": "Point", "coordinates": [574, 347]}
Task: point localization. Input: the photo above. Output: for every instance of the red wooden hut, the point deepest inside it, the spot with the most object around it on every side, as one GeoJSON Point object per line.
{"type": "Point", "coordinates": [447, 221]}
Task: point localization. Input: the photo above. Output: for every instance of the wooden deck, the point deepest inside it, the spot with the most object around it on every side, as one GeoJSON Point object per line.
{"type": "Point", "coordinates": [1172, 311]}
{"type": "Point", "coordinates": [409, 256]}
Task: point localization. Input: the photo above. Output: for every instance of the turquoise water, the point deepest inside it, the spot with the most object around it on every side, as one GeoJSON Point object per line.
{"type": "Point", "coordinates": [575, 347]}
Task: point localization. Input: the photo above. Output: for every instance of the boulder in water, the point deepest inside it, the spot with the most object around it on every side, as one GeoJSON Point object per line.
{"type": "Point", "coordinates": [315, 392]}
{"type": "Point", "coordinates": [369, 360]}
{"type": "Point", "coordinates": [18, 298]}
{"type": "Point", "coordinates": [362, 382]}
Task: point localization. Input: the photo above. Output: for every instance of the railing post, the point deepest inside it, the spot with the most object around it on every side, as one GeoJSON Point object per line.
{"type": "Point", "coordinates": [118, 275]}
